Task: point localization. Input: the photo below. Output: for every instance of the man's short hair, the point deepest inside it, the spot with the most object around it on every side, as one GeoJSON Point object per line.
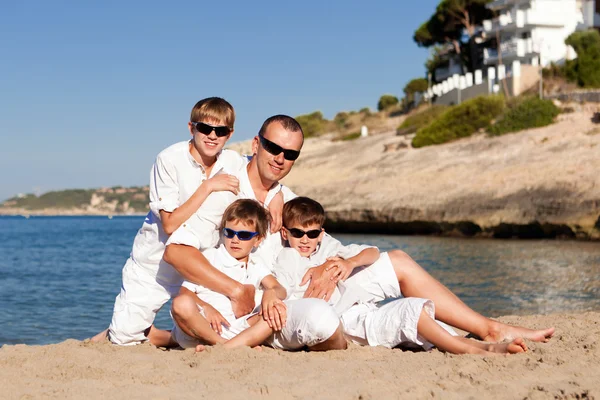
{"type": "Point", "coordinates": [303, 211]}
{"type": "Point", "coordinates": [288, 123]}
{"type": "Point", "coordinates": [215, 109]}
{"type": "Point", "coordinates": [250, 212]}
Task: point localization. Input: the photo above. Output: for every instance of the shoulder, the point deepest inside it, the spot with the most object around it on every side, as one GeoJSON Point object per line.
{"type": "Point", "coordinates": [173, 152]}
{"type": "Point", "coordinates": [231, 160]}
{"type": "Point", "coordinates": [287, 254]}
{"type": "Point", "coordinates": [212, 255]}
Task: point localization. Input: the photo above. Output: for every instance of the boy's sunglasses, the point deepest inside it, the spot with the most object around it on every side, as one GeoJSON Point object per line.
{"type": "Point", "coordinates": [299, 233]}
{"type": "Point", "coordinates": [242, 235]}
{"type": "Point", "coordinates": [276, 149]}
{"type": "Point", "coordinates": [206, 129]}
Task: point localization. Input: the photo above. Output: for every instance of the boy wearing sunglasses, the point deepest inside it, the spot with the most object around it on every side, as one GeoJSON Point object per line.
{"type": "Point", "coordinates": [404, 321]}
{"type": "Point", "coordinates": [243, 227]}
{"type": "Point", "coordinates": [182, 177]}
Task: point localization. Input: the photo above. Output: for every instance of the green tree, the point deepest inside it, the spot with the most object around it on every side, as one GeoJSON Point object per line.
{"type": "Point", "coordinates": [586, 68]}
{"type": "Point", "coordinates": [450, 21]}
{"type": "Point", "coordinates": [386, 101]}
{"type": "Point", "coordinates": [312, 124]}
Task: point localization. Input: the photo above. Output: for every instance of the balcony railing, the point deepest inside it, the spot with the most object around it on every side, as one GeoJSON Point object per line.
{"type": "Point", "coordinates": [517, 19]}
{"type": "Point", "coordinates": [510, 49]}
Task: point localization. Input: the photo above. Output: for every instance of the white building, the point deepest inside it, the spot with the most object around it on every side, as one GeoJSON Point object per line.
{"type": "Point", "coordinates": [534, 31]}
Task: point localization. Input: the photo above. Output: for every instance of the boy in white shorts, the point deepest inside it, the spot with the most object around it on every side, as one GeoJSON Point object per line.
{"type": "Point", "coordinates": [404, 321]}
{"type": "Point", "coordinates": [182, 177]}
{"type": "Point", "coordinates": [243, 227]}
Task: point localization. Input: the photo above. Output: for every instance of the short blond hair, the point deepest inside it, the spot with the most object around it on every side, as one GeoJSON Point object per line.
{"type": "Point", "coordinates": [215, 109]}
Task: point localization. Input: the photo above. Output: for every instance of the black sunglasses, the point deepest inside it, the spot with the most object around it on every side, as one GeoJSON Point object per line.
{"type": "Point", "coordinates": [242, 235]}
{"type": "Point", "coordinates": [206, 129]}
{"type": "Point", "coordinates": [276, 149]}
{"type": "Point", "coordinates": [299, 233]}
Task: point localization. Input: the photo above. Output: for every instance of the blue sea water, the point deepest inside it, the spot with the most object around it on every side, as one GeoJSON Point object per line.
{"type": "Point", "coordinates": [59, 275]}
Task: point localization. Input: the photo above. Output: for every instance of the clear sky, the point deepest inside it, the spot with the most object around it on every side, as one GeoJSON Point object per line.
{"type": "Point", "coordinates": [90, 92]}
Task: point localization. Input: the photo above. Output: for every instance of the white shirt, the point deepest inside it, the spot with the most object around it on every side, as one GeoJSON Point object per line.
{"type": "Point", "coordinates": [174, 178]}
{"type": "Point", "coordinates": [201, 230]}
{"type": "Point", "coordinates": [290, 267]}
{"type": "Point", "coordinates": [251, 274]}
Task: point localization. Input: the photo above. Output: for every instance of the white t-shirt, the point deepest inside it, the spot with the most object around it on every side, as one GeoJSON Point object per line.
{"type": "Point", "coordinates": [174, 178]}
{"type": "Point", "coordinates": [251, 274]}
{"type": "Point", "coordinates": [201, 230]}
{"type": "Point", "coordinates": [290, 267]}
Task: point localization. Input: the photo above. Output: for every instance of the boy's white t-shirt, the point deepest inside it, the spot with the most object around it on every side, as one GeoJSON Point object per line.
{"type": "Point", "coordinates": [174, 178]}
{"type": "Point", "coordinates": [248, 274]}
{"type": "Point", "coordinates": [290, 267]}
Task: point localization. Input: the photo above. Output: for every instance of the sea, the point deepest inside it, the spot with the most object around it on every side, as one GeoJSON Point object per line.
{"type": "Point", "coordinates": [59, 276]}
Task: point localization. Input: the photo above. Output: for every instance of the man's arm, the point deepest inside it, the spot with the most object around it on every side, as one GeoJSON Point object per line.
{"type": "Point", "coordinates": [344, 267]}
{"type": "Point", "coordinates": [194, 267]}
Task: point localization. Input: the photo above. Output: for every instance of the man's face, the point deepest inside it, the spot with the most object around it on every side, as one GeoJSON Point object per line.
{"type": "Point", "coordinates": [208, 145]}
{"type": "Point", "coordinates": [303, 244]}
{"type": "Point", "coordinates": [273, 167]}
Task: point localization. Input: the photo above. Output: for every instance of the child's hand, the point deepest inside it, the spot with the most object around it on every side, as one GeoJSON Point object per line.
{"type": "Point", "coordinates": [343, 268]}
{"type": "Point", "coordinates": [273, 310]}
{"type": "Point", "coordinates": [214, 318]}
{"type": "Point", "coordinates": [223, 182]}
{"type": "Point", "coordinates": [276, 210]}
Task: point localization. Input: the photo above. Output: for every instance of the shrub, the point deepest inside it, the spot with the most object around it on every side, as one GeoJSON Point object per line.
{"type": "Point", "coordinates": [386, 101]}
{"type": "Point", "coordinates": [586, 68]}
{"type": "Point", "coordinates": [529, 113]}
{"type": "Point", "coordinates": [312, 124]}
{"type": "Point", "coordinates": [420, 120]}
{"type": "Point", "coordinates": [460, 121]}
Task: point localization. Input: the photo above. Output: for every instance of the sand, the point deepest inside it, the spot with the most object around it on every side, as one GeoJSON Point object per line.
{"type": "Point", "coordinates": [566, 367]}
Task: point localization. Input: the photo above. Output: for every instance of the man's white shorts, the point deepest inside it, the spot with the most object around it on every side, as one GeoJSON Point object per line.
{"type": "Point", "coordinates": [309, 322]}
{"type": "Point", "coordinates": [389, 325]}
{"type": "Point", "coordinates": [142, 296]}
{"type": "Point", "coordinates": [378, 279]}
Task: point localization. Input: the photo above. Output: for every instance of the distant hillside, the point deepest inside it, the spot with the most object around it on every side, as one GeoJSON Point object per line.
{"type": "Point", "coordinates": [115, 200]}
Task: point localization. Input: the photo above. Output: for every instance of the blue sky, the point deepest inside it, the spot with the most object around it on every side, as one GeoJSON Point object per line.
{"type": "Point", "coordinates": [90, 92]}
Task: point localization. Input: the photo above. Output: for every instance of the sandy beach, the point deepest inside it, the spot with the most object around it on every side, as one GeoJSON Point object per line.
{"type": "Point", "coordinates": [567, 367]}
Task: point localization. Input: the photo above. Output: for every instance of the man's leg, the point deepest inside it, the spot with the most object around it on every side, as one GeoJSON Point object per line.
{"type": "Point", "coordinates": [416, 282]}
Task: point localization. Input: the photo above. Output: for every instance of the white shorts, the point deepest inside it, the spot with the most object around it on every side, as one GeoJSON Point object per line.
{"type": "Point", "coordinates": [389, 325]}
{"type": "Point", "coordinates": [142, 296]}
{"type": "Point", "coordinates": [378, 279]}
{"type": "Point", "coordinates": [309, 322]}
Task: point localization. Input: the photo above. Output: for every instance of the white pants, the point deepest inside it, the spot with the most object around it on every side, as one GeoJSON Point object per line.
{"type": "Point", "coordinates": [142, 296]}
{"type": "Point", "coordinates": [378, 279]}
{"type": "Point", "coordinates": [309, 322]}
{"type": "Point", "coordinates": [389, 325]}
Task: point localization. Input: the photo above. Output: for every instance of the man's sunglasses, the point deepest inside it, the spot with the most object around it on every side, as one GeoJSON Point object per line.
{"type": "Point", "coordinates": [206, 129]}
{"type": "Point", "coordinates": [242, 235]}
{"type": "Point", "coordinates": [276, 149]}
{"type": "Point", "coordinates": [299, 233]}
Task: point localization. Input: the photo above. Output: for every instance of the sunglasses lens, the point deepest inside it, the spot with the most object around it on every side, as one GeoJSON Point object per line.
{"type": "Point", "coordinates": [244, 235]}
{"type": "Point", "coordinates": [221, 131]}
{"type": "Point", "coordinates": [291, 155]}
{"type": "Point", "coordinates": [228, 233]}
{"type": "Point", "coordinates": [297, 233]}
{"type": "Point", "coordinates": [275, 149]}
{"type": "Point", "coordinates": [313, 234]}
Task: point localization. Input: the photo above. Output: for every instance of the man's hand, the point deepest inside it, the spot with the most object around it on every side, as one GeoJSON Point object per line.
{"type": "Point", "coordinates": [242, 301]}
{"type": "Point", "coordinates": [341, 268]}
{"type": "Point", "coordinates": [321, 285]}
{"type": "Point", "coordinates": [276, 211]}
{"type": "Point", "coordinates": [214, 318]}
{"type": "Point", "coordinates": [273, 310]}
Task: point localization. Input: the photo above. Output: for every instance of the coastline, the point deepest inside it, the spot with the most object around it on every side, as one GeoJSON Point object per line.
{"type": "Point", "coordinates": [566, 367]}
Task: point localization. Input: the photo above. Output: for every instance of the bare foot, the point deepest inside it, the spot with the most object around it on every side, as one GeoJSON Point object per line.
{"type": "Point", "coordinates": [100, 337]}
{"type": "Point", "coordinates": [499, 332]}
{"type": "Point", "coordinates": [257, 348]}
{"type": "Point", "coordinates": [516, 346]}
{"type": "Point", "coordinates": [200, 348]}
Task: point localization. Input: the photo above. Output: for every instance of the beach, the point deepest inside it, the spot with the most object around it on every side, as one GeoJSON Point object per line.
{"type": "Point", "coordinates": [567, 367]}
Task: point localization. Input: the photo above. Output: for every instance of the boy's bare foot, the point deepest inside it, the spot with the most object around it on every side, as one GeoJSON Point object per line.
{"type": "Point", "coordinates": [498, 332]}
{"type": "Point", "coordinates": [516, 346]}
{"type": "Point", "coordinates": [100, 337]}
{"type": "Point", "coordinates": [200, 348]}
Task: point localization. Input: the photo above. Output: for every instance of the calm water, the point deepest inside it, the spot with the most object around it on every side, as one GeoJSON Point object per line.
{"type": "Point", "coordinates": [59, 275]}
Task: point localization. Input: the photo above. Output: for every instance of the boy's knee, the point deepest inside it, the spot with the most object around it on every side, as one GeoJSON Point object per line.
{"type": "Point", "coordinates": [183, 307]}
